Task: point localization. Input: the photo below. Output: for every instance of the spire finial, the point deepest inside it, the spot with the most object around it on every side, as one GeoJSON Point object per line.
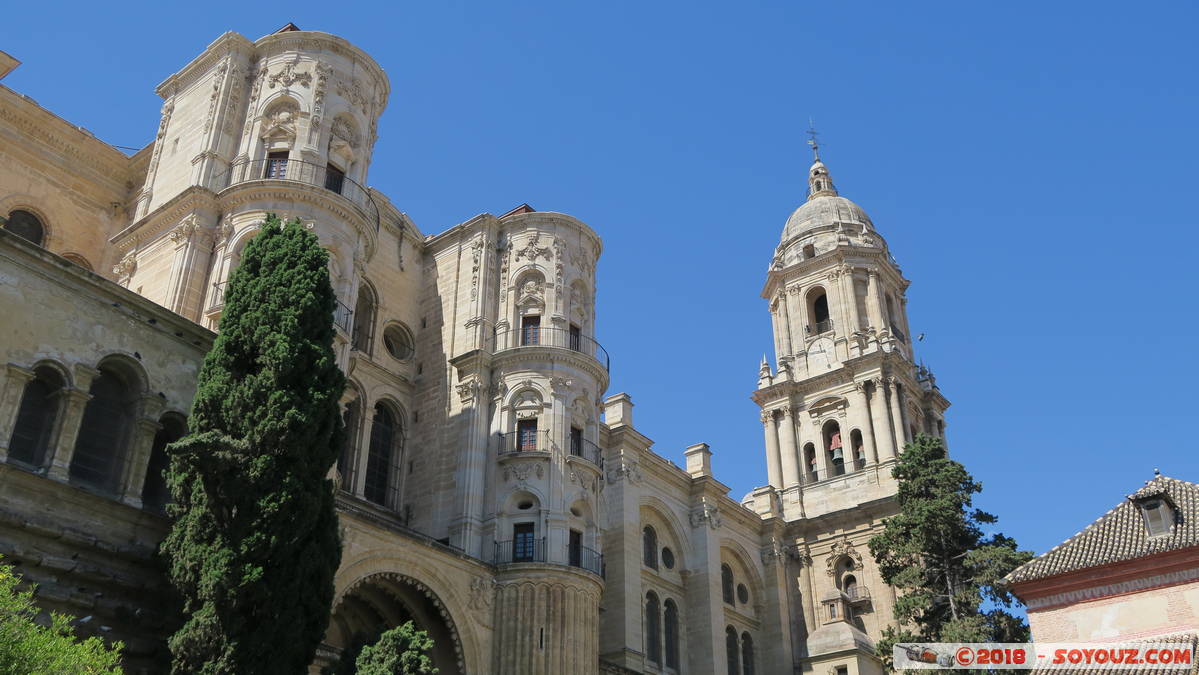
{"type": "Point", "coordinates": [812, 139]}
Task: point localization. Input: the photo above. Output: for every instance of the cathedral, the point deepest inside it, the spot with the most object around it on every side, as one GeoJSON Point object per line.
{"type": "Point", "coordinates": [491, 489]}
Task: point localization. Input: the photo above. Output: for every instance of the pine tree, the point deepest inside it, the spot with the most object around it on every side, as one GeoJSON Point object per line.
{"type": "Point", "coordinates": [934, 553]}
{"type": "Point", "coordinates": [254, 543]}
{"type": "Point", "coordinates": [403, 650]}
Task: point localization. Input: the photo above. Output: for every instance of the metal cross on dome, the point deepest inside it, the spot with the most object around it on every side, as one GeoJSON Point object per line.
{"type": "Point", "coordinates": [812, 139]}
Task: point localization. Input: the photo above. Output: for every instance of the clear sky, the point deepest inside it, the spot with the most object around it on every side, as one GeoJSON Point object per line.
{"type": "Point", "coordinates": [1032, 165]}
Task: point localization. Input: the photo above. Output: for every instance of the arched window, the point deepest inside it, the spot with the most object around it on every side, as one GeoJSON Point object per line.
{"type": "Point", "coordinates": [835, 449]}
{"type": "Point", "coordinates": [364, 320]}
{"type": "Point", "coordinates": [731, 651]}
{"type": "Point", "coordinates": [649, 547]}
{"type": "Point", "coordinates": [26, 226]}
{"type": "Point", "coordinates": [653, 645]}
{"type": "Point", "coordinates": [809, 454]}
{"type": "Point", "coordinates": [100, 449]}
{"type": "Point", "coordinates": [726, 584]}
{"type": "Point", "coordinates": [384, 434]}
{"type": "Point", "coordinates": [154, 491]}
{"type": "Point", "coordinates": [849, 584]}
{"type": "Point", "coordinates": [859, 450]}
{"type": "Point", "coordinates": [672, 634]}
{"type": "Point", "coordinates": [818, 314]}
{"type": "Point", "coordinates": [36, 418]}
{"type": "Point", "coordinates": [747, 654]}
{"type": "Point", "coordinates": [347, 461]}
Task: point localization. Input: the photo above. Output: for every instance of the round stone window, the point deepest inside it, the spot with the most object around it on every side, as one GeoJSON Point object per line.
{"type": "Point", "coordinates": [398, 342]}
{"type": "Point", "coordinates": [668, 558]}
{"type": "Point", "coordinates": [742, 594]}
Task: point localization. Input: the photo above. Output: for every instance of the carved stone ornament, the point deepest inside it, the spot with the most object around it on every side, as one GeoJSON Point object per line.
{"type": "Point", "coordinates": [352, 92]}
{"type": "Point", "coordinates": [467, 390]}
{"type": "Point", "coordinates": [343, 130]}
{"type": "Point", "coordinates": [289, 76]}
{"type": "Point", "coordinates": [625, 467]}
{"type": "Point", "coordinates": [185, 230]}
{"type": "Point", "coordinates": [561, 385]}
{"type": "Point", "coordinates": [772, 553]}
{"type": "Point", "coordinates": [476, 254]}
{"type": "Point", "coordinates": [799, 554]}
{"type": "Point", "coordinates": [532, 251]}
{"type": "Point", "coordinates": [843, 549]}
{"type": "Point", "coordinates": [282, 117]}
{"type": "Point", "coordinates": [482, 592]}
{"type": "Point", "coordinates": [706, 512]}
{"type": "Point", "coordinates": [125, 268]}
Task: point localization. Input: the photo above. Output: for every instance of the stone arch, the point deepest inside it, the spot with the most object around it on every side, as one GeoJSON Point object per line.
{"type": "Point", "coordinates": [79, 260]}
{"type": "Point", "coordinates": [59, 367]}
{"type": "Point", "coordinates": [735, 555]}
{"type": "Point", "coordinates": [668, 526]}
{"type": "Point", "coordinates": [382, 600]}
{"type": "Point", "coordinates": [35, 207]}
{"type": "Point", "coordinates": [128, 366]}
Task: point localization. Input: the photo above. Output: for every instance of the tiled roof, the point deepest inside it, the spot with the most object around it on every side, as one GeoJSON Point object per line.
{"type": "Point", "coordinates": [1120, 534]}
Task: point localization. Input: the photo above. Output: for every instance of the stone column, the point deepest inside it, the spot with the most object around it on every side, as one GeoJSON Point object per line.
{"type": "Point", "coordinates": [823, 468]}
{"type": "Point", "coordinates": [774, 469]}
{"type": "Point", "coordinates": [785, 325]}
{"type": "Point", "coordinates": [11, 393]}
{"type": "Point", "coordinates": [860, 411]}
{"type": "Point", "coordinates": [901, 433]}
{"type": "Point", "coordinates": [873, 301]}
{"type": "Point", "coordinates": [364, 451]}
{"type": "Point", "coordinates": [72, 415]}
{"type": "Point", "coordinates": [849, 296]}
{"type": "Point", "coordinates": [884, 438]}
{"type": "Point", "coordinates": [137, 460]}
{"type": "Point", "coordinates": [789, 458]}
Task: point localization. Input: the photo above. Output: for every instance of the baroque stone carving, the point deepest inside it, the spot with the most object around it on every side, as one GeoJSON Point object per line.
{"type": "Point", "coordinates": [215, 96]}
{"type": "Point", "coordinates": [352, 92]}
{"type": "Point", "coordinates": [532, 251]}
{"type": "Point", "coordinates": [476, 253]}
{"type": "Point", "coordinates": [772, 553]}
{"type": "Point", "coordinates": [843, 549]}
{"type": "Point", "coordinates": [706, 512]}
{"type": "Point", "coordinates": [125, 268]}
{"type": "Point", "coordinates": [482, 593]}
{"type": "Point", "coordinates": [289, 76]}
{"type": "Point", "coordinates": [467, 390]}
{"type": "Point", "coordinates": [625, 467]}
{"type": "Point", "coordinates": [185, 230]}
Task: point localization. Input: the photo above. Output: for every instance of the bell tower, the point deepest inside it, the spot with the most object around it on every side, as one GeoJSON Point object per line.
{"type": "Point", "coordinates": [845, 395]}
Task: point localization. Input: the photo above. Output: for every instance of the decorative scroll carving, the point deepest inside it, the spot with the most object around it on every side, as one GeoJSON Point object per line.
{"type": "Point", "coordinates": [125, 268]}
{"type": "Point", "coordinates": [215, 96]}
{"type": "Point", "coordinates": [625, 467]}
{"type": "Point", "coordinates": [482, 593]}
{"type": "Point", "coordinates": [476, 253]}
{"type": "Point", "coordinates": [185, 230]}
{"type": "Point", "coordinates": [706, 512]}
{"type": "Point", "coordinates": [467, 390]}
{"type": "Point", "coordinates": [843, 549]}
{"type": "Point", "coordinates": [289, 76]}
{"type": "Point", "coordinates": [532, 251]}
{"type": "Point", "coordinates": [352, 92]}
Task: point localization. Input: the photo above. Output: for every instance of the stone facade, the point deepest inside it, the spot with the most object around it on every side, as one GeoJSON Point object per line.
{"type": "Point", "coordinates": [489, 489]}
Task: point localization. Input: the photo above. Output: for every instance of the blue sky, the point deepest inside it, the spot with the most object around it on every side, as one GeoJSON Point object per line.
{"type": "Point", "coordinates": [1032, 166]}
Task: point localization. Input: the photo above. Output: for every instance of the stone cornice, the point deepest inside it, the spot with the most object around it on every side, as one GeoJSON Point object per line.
{"type": "Point", "coordinates": [296, 192]}
{"type": "Point", "coordinates": [535, 219]}
{"type": "Point", "coordinates": [844, 254]}
{"type": "Point", "coordinates": [308, 40]}
{"type": "Point", "coordinates": [110, 294]}
{"type": "Point", "coordinates": [228, 43]}
{"type": "Point", "coordinates": [163, 218]}
{"type": "Point", "coordinates": [551, 355]}
{"type": "Point", "coordinates": [63, 139]}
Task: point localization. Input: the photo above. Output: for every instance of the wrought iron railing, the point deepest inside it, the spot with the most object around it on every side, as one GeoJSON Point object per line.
{"type": "Point", "coordinates": [857, 593]}
{"type": "Point", "coordinates": [217, 299]}
{"type": "Point", "coordinates": [820, 327]}
{"type": "Point", "coordinates": [520, 549]}
{"type": "Point", "coordinates": [585, 558]}
{"type": "Point", "coordinates": [549, 337]}
{"type": "Point", "coordinates": [524, 441]}
{"type": "Point", "coordinates": [302, 172]}
{"type": "Point", "coordinates": [581, 447]}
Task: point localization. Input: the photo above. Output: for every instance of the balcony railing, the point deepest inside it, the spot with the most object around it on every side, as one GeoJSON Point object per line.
{"type": "Point", "coordinates": [524, 441]}
{"type": "Point", "coordinates": [820, 327]}
{"type": "Point", "coordinates": [561, 338]}
{"type": "Point", "coordinates": [525, 549]}
{"type": "Point", "coordinates": [585, 558]}
{"type": "Point", "coordinates": [218, 295]}
{"type": "Point", "coordinates": [303, 172]}
{"type": "Point", "coordinates": [858, 594]}
{"type": "Point", "coordinates": [588, 451]}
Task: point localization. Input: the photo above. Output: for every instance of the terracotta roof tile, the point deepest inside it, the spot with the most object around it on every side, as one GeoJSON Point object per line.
{"type": "Point", "coordinates": [1120, 534]}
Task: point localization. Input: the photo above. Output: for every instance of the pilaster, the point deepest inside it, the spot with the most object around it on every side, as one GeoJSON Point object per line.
{"type": "Point", "coordinates": [15, 379]}
{"type": "Point", "coordinates": [72, 417]}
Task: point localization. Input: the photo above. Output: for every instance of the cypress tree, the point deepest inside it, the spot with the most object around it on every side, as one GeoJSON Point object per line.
{"type": "Point", "coordinates": [254, 543]}
{"type": "Point", "coordinates": [947, 571]}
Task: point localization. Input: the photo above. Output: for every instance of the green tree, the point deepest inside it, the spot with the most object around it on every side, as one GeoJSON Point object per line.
{"type": "Point", "coordinates": [254, 544]}
{"type": "Point", "coordinates": [28, 648]}
{"type": "Point", "coordinates": [934, 553]}
{"type": "Point", "coordinates": [403, 650]}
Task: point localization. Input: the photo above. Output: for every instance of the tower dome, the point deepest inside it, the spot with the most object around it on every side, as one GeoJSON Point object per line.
{"type": "Point", "coordinates": [824, 220]}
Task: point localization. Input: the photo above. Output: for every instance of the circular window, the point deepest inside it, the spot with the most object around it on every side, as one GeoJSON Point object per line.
{"type": "Point", "coordinates": [742, 593]}
{"type": "Point", "coordinates": [398, 342]}
{"type": "Point", "coordinates": [668, 558]}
